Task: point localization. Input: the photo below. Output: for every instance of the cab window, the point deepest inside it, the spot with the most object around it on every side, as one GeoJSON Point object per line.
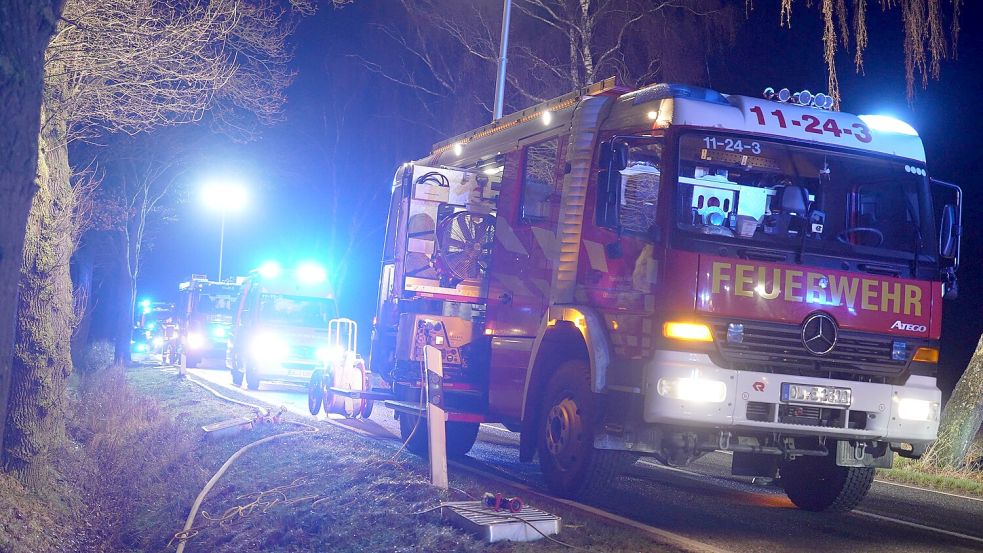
{"type": "Point", "coordinates": [640, 183]}
{"type": "Point", "coordinates": [539, 182]}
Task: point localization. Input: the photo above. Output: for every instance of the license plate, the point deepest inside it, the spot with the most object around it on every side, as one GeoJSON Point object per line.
{"type": "Point", "coordinates": [297, 373]}
{"type": "Point", "coordinates": [816, 395]}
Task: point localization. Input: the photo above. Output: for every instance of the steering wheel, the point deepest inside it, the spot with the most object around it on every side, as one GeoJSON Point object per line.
{"type": "Point", "coordinates": [842, 236]}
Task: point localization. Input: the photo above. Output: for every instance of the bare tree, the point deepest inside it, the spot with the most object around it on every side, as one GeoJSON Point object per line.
{"type": "Point", "coordinates": [129, 66]}
{"type": "Point", "coordinates": [961, 418]}
{"type": "Point", "coordinates": [138, 198]}
{"type": "Point", "coordinates": [447, 50]}
{"type": "Point", "coordinates": [26, 27]}
{"type": "Point", "coordinates": [927, 42]}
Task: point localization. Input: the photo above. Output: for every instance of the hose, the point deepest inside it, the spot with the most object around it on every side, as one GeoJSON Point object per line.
{"type": "Point", "coordinates": [186, 533]}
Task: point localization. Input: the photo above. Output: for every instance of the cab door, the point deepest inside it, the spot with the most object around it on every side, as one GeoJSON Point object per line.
{"type": "Point", "coordinates": [521, 268]}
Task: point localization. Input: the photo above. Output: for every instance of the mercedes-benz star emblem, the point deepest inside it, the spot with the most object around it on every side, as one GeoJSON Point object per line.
{"type": "Point", "coordinates": [819, 333]}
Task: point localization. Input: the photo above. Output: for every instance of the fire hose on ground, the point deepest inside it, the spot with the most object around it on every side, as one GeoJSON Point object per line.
{"type": "Point", "coordinates": [187, 532]}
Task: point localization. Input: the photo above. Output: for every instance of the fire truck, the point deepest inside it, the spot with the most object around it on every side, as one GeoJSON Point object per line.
{"type": "Point", "coordinates": [672, 271]}
{"type": "Point", "coordinates": [206, 309]}
{"type": "Point", "coordinates": [280, 328]}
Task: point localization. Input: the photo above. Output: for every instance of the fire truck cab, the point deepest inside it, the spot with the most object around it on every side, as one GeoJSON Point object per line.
{"type": "Point", "coordinates": [671, 271]}
{"type": "Point", "coordinates": [206, 309]}
{"type": "Point", "coordinates": [280, 331]}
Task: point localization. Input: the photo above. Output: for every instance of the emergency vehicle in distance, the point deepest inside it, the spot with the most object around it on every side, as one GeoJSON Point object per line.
{"type": "Point", "coordinates": [671, 271]}
{"type": "Point", "coordinates": [280, 328]}
{"type": "Point", "coordinates": [206, 309]}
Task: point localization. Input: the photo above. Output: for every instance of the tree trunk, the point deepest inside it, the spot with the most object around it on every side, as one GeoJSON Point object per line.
{"type": "Point", "coordinates": [961, 417]}
{"type": "Point", "coordinates": [45, 313]}
{"type": "Point", "coordinates": [83, 266]}
{"type": "Point", "coordinates": [126, 297]}
{"type": "Point", "coordinates": [25, 29]}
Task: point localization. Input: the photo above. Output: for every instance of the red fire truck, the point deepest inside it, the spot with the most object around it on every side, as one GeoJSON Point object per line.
{"type": "Point", "coordinates": [671, 271]}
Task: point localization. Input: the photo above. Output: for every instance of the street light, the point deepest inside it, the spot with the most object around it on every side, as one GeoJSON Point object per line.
{"type": "Point", "coordinates": [223, 196]}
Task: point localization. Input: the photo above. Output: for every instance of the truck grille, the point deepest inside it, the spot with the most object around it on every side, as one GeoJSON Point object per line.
{"type": "Point", "coordinates": [778, 348]}
{"type": "Point", "coordinates": [808, 415]}
{"type": "Point", "coordinates": [759, 411]}
{"type": "Point", "coordinates": [303, 352]}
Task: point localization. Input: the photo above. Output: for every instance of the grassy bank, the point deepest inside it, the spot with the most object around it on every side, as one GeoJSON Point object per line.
{"type": "Point", "coordinates": [965, 481]}
{"type": "Point", "coordinates": [142, 459]}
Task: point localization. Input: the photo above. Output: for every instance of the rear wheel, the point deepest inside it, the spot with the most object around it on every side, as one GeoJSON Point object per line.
{"type": "Point", "coordinates": [818, 484]}
{"type": "Point", "coordinates": [571, 466]}
{"type": "Point", "coordinates": [461, 436]}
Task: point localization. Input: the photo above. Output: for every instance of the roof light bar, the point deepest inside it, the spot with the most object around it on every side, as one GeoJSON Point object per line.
{"type": "Point", "coordinates": [803, 98]}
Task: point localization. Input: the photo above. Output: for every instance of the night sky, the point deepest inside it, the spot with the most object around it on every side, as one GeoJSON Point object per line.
{"type": "Point", "coordinates": [292, 166]}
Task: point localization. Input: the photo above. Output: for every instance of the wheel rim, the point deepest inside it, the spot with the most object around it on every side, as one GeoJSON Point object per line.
{"type": "Point", "coordinates": [564, 433]}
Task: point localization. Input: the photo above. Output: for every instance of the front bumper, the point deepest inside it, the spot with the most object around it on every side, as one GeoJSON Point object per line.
{"type": "Point", "coordinates": [290, 370]}
{"type": "Point", "coordinates": [209, 349]}
{"type": "Point", "coordinates": [752, 403]}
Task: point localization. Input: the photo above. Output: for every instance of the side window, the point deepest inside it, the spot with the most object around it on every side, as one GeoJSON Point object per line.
{"type": "Point", "coordinates": [640, 182]}
{"type": "Point", "coordinates": [539, 182]}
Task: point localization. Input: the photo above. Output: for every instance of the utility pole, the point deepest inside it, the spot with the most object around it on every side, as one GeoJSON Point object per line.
{"type": "Point", "coordinates": [502, 60]}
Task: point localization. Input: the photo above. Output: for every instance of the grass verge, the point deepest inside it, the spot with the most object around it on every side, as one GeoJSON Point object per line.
{"type": "Point", "coordinates": [908, 471]}
{"type": "Point", "coordinates": [331, 491]}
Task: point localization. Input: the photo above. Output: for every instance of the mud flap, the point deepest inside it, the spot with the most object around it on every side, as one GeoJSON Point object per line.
{"type": "Point", "coordinates": [861, 454]}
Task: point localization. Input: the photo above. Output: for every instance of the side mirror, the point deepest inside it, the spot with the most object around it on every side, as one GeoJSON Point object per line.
{"type": "Point", "coordinates": [614, 155]}
{"type": "Point", "coordinates": [613, 158]}
{"type": "Point", "coordinates": [948, 233]}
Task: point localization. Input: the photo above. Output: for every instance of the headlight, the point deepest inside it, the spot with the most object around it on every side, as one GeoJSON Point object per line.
{"type": "Point", "coordinates": [195, 340]}
{"type": "Point", "coordinates": [158, 342]}
{"type": "Point", "coordinates": [218, 331]}
{"type": "Point", "coordinates": [917, 410]}
{"type": "Point", "coordinates": [694, 389]}
{"type": "Point", "coordinates": [270, 348]}
{"type": "Point", "coordinates": [692, 332]}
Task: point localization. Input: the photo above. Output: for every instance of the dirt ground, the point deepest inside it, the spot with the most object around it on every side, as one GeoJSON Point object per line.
{"type": "Point", "coordinates": [140, 459]}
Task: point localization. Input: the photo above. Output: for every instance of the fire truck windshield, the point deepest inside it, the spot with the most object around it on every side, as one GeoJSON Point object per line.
{"type": "Point", "coordinates": [296, 310]}
{"type": "Point", "coordinates": [215, 304]}
{"type": "Point", "coordinates": [771, 194]}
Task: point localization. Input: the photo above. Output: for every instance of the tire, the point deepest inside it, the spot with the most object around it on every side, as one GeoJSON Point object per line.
{"type": "Point", "coordinates": [236, 377]}
{"type": "Point", "coordinates": [818, 484]}
{"type": "Point", "coordinates": [192, 361]}
{"type": "Point", "coordinates": [571, 466]}
{"type": "Point", "coordinates": [252, 379]}
{"type": "Point", "coordinates": [315, 392]}
{"type": "Point", "coordinates": [461, 436]}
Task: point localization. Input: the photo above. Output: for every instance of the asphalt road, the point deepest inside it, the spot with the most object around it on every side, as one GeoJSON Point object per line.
{"type": "Point", "coordinates": [704, 503]}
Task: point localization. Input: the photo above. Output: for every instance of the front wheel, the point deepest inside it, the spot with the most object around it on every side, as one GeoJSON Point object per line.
{"type": "Point", "coordinates": [315, 392]}
{"type": "Point", "coordinates": [252, 378]}
{"type": "Point", "coordinates": [571, 466]}
{"type": "Point", "coordinates": [460, 436]}
{"type": "Point", "coordinates": [819, 484]}
{"type": "Point", "coordinates": [236, 377]}
{"type": "Point", "coordinates": [192, 361]}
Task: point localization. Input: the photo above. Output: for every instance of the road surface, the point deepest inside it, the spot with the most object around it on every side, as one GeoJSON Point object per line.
{"type": "Point", "coordinates": [704, 503]}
